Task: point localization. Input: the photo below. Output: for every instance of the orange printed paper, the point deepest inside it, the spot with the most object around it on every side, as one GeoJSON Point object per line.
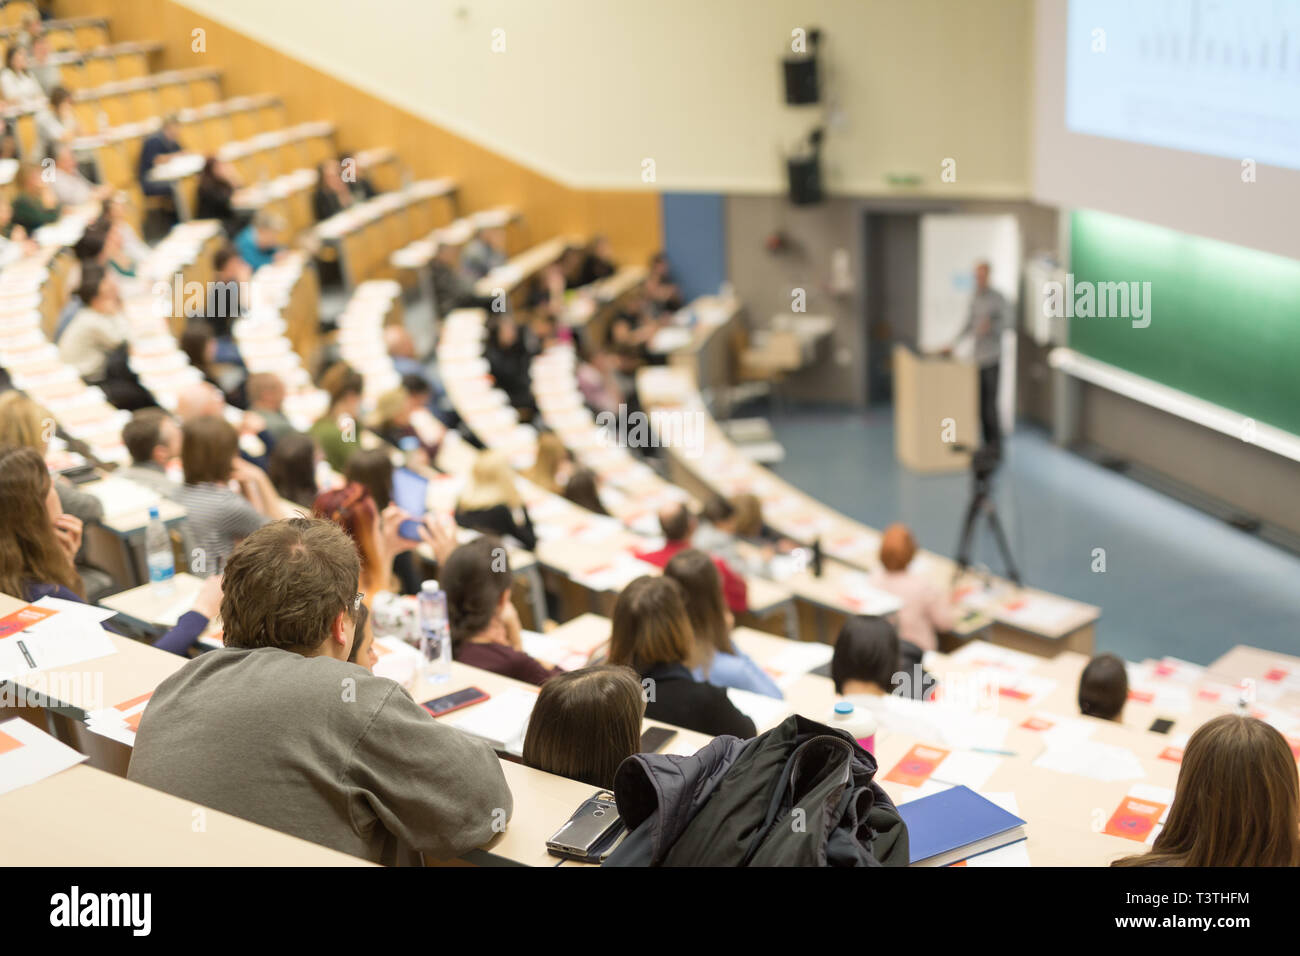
{"type": "Point", "coordinates": [128, 704]}
{"type": "Point", "coordinates": [1142, 696]}
{"type": "Point", "coordinates": [23, 618]}
{"type": "Point", "coordinates": [1276, 674]}
{"type": "Point", "coordinates": [1037, 723]}
{"type": "Point", "coordinates": [1134, 819]}
{"type": "Point", "coordinates": [916, 766]}
{"type": "Point", "coordinates": [1172, 753]}
{"type": "Point", "coordinates": [8, 743]}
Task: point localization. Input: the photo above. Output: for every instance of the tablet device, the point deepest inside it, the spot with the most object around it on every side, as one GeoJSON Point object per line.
{"type": "Point", "coordinates": [411, 494]}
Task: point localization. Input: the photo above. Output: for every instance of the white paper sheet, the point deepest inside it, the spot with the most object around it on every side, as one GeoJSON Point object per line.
{"type": "Point", "coordinates": [28, 755]}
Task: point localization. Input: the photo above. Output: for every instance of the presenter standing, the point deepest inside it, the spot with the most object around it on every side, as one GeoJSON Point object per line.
{"type": "Point", "coordinates": [988, 315]}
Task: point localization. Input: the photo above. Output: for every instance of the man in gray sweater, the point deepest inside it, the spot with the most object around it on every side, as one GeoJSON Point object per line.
{"type": "Point", "coordinates": [278, 728]}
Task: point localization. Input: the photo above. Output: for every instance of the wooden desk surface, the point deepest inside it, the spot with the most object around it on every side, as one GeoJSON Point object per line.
{"type": "Point", "coordinates": [85, 817]}
{"type": "Point", "coordinates": [135, 669]}
{"type": "Point", "coordinates": [143, 603]}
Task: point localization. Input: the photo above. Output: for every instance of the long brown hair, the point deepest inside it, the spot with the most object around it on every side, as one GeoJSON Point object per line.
{"type": "Point", "coordinates": [585, 723]}
{"type": "Point", "coordinates": [353, 510]}
{"type": "Point", "coordinates": [30, 552]}
{"type": "Point", "coordinates": [1237, 801]}
{"type": "Point", "coordinates": [702, 587]}
{"type": "Point", "coordinates": [650, 625]}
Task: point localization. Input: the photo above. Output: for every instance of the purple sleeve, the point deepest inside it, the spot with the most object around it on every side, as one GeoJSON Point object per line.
{"type": "Point", "coordinates": [184, 635]}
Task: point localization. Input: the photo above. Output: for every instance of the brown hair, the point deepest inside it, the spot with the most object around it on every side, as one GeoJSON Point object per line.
{"type": "Point", "coordinates": [1237, 802]}
{"type": "Point", "coordinates": [373, 468]}
{"type": "Point", "coordinates": [353, 510]}
{"type": "Point", "coordinates": [897, 547]}
{"type": "Point", "coordinates": [474, 583]}
{"type": "Point", "coordinates": [23, 423]}
{"type": "Point", "coordinates": [585, 723]}
{"type": "Point", "coordinates": [143, 433]}
{"type": "Point", "coordinates": [749, 515]}
{"type": "Point", "coordinates": [30, 552]}
{"type": "Point", "coordinates": [341, 380]}
{"type": "Point", "coordinates": [582, 489]}
{"type": "Point", "coordinates": [209, 444]}
{"type": "Point", "coordinates": [702, 589]}
{"type": "Point", "coordinates": [286, 583]}
{"type": "Point", "coordinates": [1103, 687]}
{"type": "Point", "coordinates": [650, 625]}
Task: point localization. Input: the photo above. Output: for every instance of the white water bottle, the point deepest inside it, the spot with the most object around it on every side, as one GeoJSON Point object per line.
{"type": "Point", "coordinates": [158, 549]}
{"type": "Point", "coordinates": [435, 633]}
{"type": "Point", "coordinates": [858, 721]}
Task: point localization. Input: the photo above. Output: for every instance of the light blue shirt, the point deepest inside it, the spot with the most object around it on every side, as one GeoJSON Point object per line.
{"type": "Point", "coordinates": [738, 671]}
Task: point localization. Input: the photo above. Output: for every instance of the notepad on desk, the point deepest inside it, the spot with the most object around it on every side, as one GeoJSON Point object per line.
{"type": "Point", "coordinates": [502, 721]}
{"type": "Point", "coordinates": [957, 824]}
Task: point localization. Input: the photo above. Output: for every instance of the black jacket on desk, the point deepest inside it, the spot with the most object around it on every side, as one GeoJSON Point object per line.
{"type": "Point", "coordinates": [500, 521]}
{"type": "Point", "coordinates": [678, 698]}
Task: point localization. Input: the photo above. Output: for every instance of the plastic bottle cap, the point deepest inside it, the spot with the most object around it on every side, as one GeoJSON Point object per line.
{"type": "Point", "coordinates": [430, 586]}
{"type": "Point", "coordinates": [153, 512]}
{"type": "Point", "coordinates": [843, 707]}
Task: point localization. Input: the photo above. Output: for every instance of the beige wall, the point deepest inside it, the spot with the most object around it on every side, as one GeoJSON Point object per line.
{"type": "Point", "coordinates": [587, 89]}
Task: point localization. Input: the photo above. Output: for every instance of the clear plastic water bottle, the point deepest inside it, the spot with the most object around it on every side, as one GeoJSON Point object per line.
{"type": "Point", "coordinates": [435, 633]}
{"type": "Point", "coordinates": [158, 548]}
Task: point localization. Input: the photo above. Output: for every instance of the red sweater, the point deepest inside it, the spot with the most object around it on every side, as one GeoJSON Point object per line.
{"type": "Point", "coordinates": [734, 591]}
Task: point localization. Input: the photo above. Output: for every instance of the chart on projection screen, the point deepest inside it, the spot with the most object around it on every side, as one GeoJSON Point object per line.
{"type": "Point", "coordinates": [1220, 77]}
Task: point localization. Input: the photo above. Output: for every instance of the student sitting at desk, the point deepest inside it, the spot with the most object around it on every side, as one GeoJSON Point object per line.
{"type": "Point", "coordinates": [490, 501]}
{"type": "Point", "coordinates": [38, 544]}
{"type": "Point", "coordinates": [366, 771]}
{"type": "Point", "coordinates": [23, 424]}
{"type": "Point", "coordinates": [154, 149]}
{"type": "Point", "coordinates": [651, 633]}
{"type": "Point", "coordinates": [550, 471]}
{"type": "Point", "coordinates": [1237, 802]}
{"type": "Point", "coordinates": [292, 468]}
{"type": "Point", "coordinates": [485, 628]}
{"type": "Point", "coordinates": [218, 182]}
{"type": "Point", "coordinates": [374, 532]}
{"type": "Point", "coordinates": [926, 609]}
{"type": "Point", "coordinates": [217, 518]}
{"type": "Point", "coordinates": [678, 526]}
{"type": "Point", "coordinates": [1103, 688]}
{"type": "Point", "coordinates": [583, 489]}
{"type": "Point", "coordinates": [598, 261]}
{"type": "Point", "coordinates": [344, 385]}
{"type": "Point", "coordinates": [585, 723]}
{"type": "Point", "coordinates": [332, 194]}
{"type": "Point", "coordinates": [718, 660]}
{"type": "Point", "coordinates": [485, 252]}
{"type": "Point", "coordinates": [265, 392]}
{"type": "Point", "coordinates": [868, 663]}
{"type": "Point", "coordinates": [510, 356]}
{"type": "Point", "coordinates": [258, 243]}
{"type": "Point", "coordinates": [153, 439]}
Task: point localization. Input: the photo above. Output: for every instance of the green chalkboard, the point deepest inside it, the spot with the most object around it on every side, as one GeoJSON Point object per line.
{"type": "Point", "coordinates": [1224, 320]}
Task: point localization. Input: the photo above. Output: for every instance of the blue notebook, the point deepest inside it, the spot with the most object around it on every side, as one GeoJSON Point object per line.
{"type": "Point", "coordinates": [956, 825]}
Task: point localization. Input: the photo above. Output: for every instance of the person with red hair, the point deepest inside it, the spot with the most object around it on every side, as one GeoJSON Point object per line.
{"type": "Point", "coordinates": [926, 609]}
{"type": "Point", "coordinates": [376, 533]}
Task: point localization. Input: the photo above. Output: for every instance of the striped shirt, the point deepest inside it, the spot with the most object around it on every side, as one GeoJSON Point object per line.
{"type": "Point", "coordinates": [215, 518]}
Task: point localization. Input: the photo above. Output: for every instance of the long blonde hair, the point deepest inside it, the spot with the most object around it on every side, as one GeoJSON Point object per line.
{"type": "Point", "coordinates": [23, 423]}
{"type": "Point", "coordinates": [491, 483]}
{"type": "Point", "coordinates": [551, 454]}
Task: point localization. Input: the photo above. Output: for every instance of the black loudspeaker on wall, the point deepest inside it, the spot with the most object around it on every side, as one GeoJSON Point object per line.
{"type": "Point", "coordinates": [801, 80]}
{"type": "Point", "coordinates": [805, 179]}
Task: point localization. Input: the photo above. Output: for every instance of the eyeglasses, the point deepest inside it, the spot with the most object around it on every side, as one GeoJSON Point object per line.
{"type": "Point", "coordinates": [357, 601]}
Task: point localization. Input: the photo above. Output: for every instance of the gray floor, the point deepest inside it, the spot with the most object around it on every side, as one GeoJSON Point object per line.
{"type": "Point", "coordinates": [1177, 582]}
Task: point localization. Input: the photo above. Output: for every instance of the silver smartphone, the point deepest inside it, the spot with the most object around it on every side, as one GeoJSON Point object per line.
{"type": "Point", "coordinates": [591, 833]}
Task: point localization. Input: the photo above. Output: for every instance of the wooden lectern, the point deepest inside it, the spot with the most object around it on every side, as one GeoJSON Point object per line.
{"type": "Point", "coordinates": [929, 391]}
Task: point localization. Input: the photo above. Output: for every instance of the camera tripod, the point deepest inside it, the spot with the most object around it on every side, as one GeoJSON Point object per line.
{"type": "Point", "coordinates": [984, 462]}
